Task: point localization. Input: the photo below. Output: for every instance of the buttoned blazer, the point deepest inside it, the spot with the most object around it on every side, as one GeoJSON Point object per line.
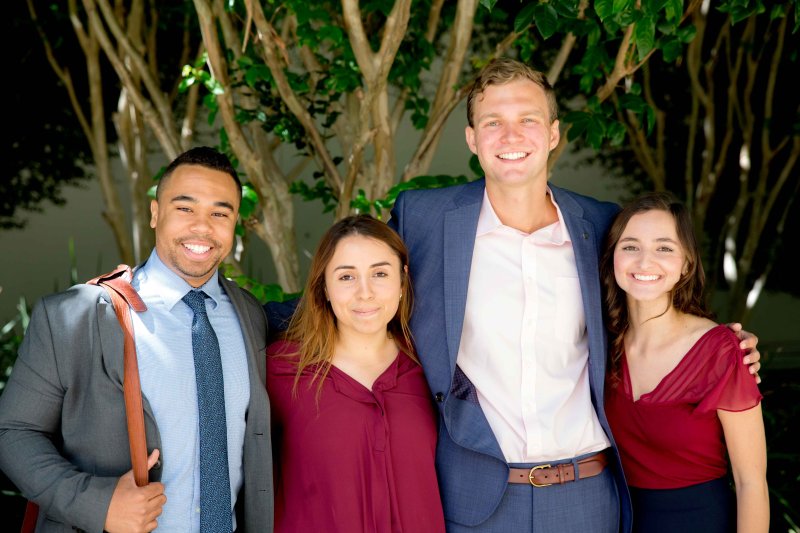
{"type": "Point", "coordinates": [63, 433]}
{"type": "Point", "coordinates": [439, 228]}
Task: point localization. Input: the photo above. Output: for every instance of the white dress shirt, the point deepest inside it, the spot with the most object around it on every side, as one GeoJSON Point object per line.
{"type": "Point", "coordinates": [524, 342]}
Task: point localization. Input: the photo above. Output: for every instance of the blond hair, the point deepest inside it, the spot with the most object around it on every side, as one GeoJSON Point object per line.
{"type": "Point", "coordinates": [505, 70]}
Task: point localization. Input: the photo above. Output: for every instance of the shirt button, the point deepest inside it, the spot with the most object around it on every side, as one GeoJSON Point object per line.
{"type": "Point", "coordinates": [439, 397]}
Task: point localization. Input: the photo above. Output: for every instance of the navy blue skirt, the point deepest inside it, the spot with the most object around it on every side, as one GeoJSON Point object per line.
{"type": "Point", "coordinates": [704, 508]}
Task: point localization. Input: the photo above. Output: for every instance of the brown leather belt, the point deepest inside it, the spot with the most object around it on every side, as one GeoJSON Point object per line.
{"type": "Point", "coordinates": [546, 475]}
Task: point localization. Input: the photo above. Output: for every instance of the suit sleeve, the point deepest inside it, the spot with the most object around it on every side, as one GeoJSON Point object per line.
{"type": "Point", "coordinates": [395, 218]}
{"type": "Point", "coordinates": [279, 314]}
{"type": "Point", "coordinates": [30, 413]}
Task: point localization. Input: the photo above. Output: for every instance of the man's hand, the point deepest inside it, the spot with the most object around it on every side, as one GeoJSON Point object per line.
{"type": "Point", "coordinates": [749, 343]}
{"type": "Point", "coordinates": [135, 509]}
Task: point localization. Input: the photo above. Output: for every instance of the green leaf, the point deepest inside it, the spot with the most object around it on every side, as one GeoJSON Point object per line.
{"type": "Point", "coordinates": [666, 27]}
{"type": "Point", "coordinates": [616, 133]}
{"type": "Point", "coordinates": [621, 5]}
{"type": "Point", "coordinates": [579, 120]}
{"type": "Point", "coordinates": [488, 4]}
{"type": "Point", "coordinates": [672, 50]}
{"type": "Point", "coordinates": [632, 102]}
{"type": "Point", "coordinates": [263, 292]}
{"type": "Point", "coordinates": [256, 73]}
{"type": "Point", "coordinates": [687, 33]}
{"type": "Point", "coordinates": [778, 12]}
{"type": "Point", "coordinates": [320, 191]}
{"type": "Point", "coordinates": [333, 33]}
{"type": "Point", "coordinates": [360, 204]}
{"type": "Point", "coordinates": [546, 20]}
{"type": "Point", "coordinates": [653, 6]}
{"type": "Point", "coordinates": [674, 10]}
{"type": "Point", "coordinates": [524, 18]}
{"type": "Point", "coordinates": [604, 9]}
{"type": "Point", "coordinates": [566, 9]}
{"type": "Point", "coordinates": [645, 36]}
{"type": "Point", "coordinates": [185, 83]}
{"type": "Point", "coordinates": [595, 132]}
{"type": "Point", "coordinates": [210, 103]}
{"type": "Point", "coordinates": [628, 17]}
{"type": "Point", "coordinates": [249, 201]}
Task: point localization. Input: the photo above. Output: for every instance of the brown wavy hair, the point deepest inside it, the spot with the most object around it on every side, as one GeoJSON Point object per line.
{"type": "Point", "coordinates": [502, 70]}
{"type": "Point", "coordinates": [313, 325]}
{"type": "Point", "coordinates": [687, 294]}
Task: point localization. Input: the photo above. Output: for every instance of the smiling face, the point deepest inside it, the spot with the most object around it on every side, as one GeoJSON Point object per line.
{"type": "Point", "coordinates": [363, 283]}
{"type": "Point", "coordinates": [194, 220]}
{"type": "Point", "coordinates": [512, 134]}
{"type": "Point", "coordinates": [649, 258]}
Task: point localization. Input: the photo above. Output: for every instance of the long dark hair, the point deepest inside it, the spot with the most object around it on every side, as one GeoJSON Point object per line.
{"type": "Point", "coordinates": [687, 295]}
{"type": "Point", "coordinates": [313, 326]}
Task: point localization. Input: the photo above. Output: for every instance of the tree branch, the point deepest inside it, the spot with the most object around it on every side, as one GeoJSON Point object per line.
{"type": "Point", "coordinates": [266, 34]}
{"type": "Point", "coordinates": [167, 133]}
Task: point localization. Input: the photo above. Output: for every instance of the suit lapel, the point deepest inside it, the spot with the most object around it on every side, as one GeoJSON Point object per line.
{"type": "Point", "coordinates": [110, 339]}
{"type": "Point", "coordinates": [460, 225]}
{"type": "Point", "coordinates": [112, 346]}
{"type": "Point", "coordinates": [260, 362]}
{"type": "Point", "coordinates": [585, 244]}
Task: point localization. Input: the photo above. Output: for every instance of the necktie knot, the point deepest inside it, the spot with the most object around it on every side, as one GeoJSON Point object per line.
{"type": "Point", "coordinates": [196, 300]}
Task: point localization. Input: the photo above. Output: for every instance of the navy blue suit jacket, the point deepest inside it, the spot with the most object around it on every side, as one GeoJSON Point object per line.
{"type": "Point", "coordinates": [439, 228]}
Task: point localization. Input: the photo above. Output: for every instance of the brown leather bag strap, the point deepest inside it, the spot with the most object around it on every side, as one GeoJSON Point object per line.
{"type": "Point", "coordinates": [124, 297]}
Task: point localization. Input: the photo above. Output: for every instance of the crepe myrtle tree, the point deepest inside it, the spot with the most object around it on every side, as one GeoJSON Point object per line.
{"type": "Point", "coordinates": [713, 117]}
{"type": "Point", "coordinates": [334, 81]}
{"type": "Point", "coordinates": [329, 83]}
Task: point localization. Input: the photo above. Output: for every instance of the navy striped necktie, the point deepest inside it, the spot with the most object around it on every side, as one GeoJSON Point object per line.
{"type": "Point", "coordinates": [215, 485]}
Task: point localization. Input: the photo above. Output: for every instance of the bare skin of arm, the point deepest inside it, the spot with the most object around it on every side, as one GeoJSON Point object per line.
{"type": "Point", "coordinates": [135, 509]}
{"type": "Point", "coordinates": [747, 449]}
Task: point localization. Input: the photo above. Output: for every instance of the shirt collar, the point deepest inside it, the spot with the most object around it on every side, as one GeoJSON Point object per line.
{"type": "Point", "coordinates": [164, 282]}
{"type": "Point", "coordinates": [556, 233]}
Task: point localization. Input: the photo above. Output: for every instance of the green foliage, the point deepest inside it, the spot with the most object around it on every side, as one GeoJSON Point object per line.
{"type": "Point", "coordinates": [11, 334]}
{"type": "Point", "coordinates": [361, 204]}
{"type": "Point", "coordinates": [264, 292]}
{"type": "Point", "coordinates": [44, 149]}
{"type": "Point", "coordinates": [740, 10]}
{"type": "Point", "coordinates": [320, 191]}
{"type": "Point", "coordinates": [598, 125]}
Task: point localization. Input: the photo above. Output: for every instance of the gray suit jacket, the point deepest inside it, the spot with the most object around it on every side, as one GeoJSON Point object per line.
{"type": "Point", "coordinates": [63, 433]}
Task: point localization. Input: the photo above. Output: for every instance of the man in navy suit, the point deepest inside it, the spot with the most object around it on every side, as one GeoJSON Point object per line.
{"type": "Point", "coordinates": [508, 325]}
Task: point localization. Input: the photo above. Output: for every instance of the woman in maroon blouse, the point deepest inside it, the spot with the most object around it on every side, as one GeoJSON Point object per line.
{"type": "Point", "coordinates": [679, 398]}
{"type": "Point", "coordinates": [354, 429]}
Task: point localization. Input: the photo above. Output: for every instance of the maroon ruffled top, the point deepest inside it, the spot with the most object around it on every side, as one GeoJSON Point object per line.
{"type": "Point", "coordinates": [671, 437]}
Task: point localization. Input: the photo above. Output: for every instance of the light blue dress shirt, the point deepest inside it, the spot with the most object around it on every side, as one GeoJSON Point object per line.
{"type": "Point", "coordinates": [166, 367]}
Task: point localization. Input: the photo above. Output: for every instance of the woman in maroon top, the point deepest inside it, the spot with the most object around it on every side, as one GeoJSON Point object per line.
{"type": "Point", "coordinates": [679, 397]}
{"type": "Point", "coordinates": [354, 429]}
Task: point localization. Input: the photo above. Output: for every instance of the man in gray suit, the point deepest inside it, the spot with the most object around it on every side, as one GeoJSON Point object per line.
{"type": "Point", "coordinates": [63, 433]}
